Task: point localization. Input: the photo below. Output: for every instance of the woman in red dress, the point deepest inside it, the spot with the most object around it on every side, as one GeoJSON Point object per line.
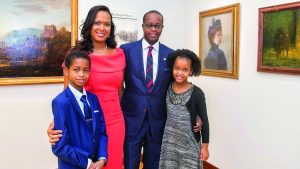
{"type": "Point", "coordinates": [106, 78]}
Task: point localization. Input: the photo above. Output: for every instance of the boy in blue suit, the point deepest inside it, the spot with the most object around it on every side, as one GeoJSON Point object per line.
{"type": "Point", "coordinates": [79, 115]}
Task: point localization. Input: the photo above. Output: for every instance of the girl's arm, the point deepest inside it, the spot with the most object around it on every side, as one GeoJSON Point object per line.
{"type": "Point", "coordinates": [201, 106]}
{"type": "Point", "coordinates": [204, 153]}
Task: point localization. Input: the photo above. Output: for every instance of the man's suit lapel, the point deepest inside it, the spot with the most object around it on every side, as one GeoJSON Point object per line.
{"type": "Point", "coordinates": [74, 102]}
{"type": "Point", "coordinates": [138, 56]}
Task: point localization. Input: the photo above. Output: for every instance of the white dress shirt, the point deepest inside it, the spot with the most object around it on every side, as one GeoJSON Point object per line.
{"type": "Point", "coordinates": [155, 50]}
{"type": "Point", "coordinates": [78, 96]}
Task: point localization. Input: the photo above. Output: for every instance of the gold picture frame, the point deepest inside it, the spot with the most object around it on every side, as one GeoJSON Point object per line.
{"type": "Point", "coordinates": [32, 54]}
{"type": "Point", "coordinates": [219, 41]}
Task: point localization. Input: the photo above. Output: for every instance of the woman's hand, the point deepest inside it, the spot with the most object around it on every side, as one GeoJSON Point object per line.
{"type": "Point", "coordinates": [54, 135]}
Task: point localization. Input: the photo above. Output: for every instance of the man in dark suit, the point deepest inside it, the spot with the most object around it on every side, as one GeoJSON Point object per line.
{"type": "Point", "coordinates": [147, 77]}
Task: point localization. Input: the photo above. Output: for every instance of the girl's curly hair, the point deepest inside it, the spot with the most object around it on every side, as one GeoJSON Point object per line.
{"type": "Point", "coordinates": [185, 53]}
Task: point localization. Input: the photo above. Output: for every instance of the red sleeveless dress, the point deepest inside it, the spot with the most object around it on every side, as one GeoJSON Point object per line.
{"type": "Point", "coordinates": [106, 78]}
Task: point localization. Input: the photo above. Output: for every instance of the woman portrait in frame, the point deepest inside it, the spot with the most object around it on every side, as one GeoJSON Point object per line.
{"type": "Point", "coordinates": [218, 41]}
{"type": "Point", "coordinates": [215, 58]}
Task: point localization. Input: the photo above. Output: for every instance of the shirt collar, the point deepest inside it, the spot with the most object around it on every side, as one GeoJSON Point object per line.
{"type": "Point", "coordinates": [145, 45]}
{"type": "Point", "coordinates": [77, 93]}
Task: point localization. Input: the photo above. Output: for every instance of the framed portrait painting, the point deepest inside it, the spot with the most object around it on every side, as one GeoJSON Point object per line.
{"type": "Point", "coordinates": [219, 41]}
{"type": "Point", "coordinates": [279, 39]}
{"type": "Point", "coordinates": [34, 39]}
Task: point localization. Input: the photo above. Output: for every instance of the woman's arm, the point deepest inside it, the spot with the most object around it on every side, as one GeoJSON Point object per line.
{"type": "Point", "coordinates": [121, 89]}
{"type": "Point", "coordinates": [54, 135]}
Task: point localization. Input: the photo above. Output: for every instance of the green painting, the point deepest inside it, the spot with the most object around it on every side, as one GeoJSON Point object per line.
{"type": "Point", "coordinates": [279, 38]}
{"type": "Point", "coordinates": [281, 41]}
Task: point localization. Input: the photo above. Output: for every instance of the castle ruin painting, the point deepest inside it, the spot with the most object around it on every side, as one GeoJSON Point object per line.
{"type": "Point", "coordinates": [35, 38]}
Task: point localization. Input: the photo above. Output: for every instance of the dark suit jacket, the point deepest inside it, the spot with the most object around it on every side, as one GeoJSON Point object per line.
{"type": "Point", "coordinates": [78, 140]}
{"type": "Point", "coordinates": [136, 101]}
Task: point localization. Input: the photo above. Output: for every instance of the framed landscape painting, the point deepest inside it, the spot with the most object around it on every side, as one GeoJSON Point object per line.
{"type": "Point", "coordinates": [219, 41]}
{"type": "Point", "coordinates": [279, 39]}
{"type": "Point", "coordinates": [34, 39]}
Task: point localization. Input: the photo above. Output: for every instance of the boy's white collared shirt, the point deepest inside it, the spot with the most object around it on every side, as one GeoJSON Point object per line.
{"type": "Point", "coordinates": [78, 96]}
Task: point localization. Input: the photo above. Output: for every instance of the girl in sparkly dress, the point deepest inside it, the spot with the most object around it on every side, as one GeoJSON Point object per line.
{"type": "Point", "coordinates": [184, 147]}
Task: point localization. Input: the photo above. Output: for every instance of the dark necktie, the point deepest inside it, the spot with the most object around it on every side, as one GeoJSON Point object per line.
{"type": "Point", "coordinates": [86, 108]}
{"type": "Point", "coordinates": [88, 119]}
{"type": "Point", "coordinates": [149, 70]}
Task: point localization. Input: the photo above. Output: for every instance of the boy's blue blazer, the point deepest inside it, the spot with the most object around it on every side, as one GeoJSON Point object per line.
{"type": "Point", "coordinates": [75, 146]}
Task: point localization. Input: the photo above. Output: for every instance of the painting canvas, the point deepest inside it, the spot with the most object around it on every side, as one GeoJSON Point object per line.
{"type": "Point", "coordinates": [219, 41]}
{"type": "Point", "coordinates": [126, 27]}
{"type": "Point", "coordinates": [279, 39]}
{"type": "Point", "coordinates": [34, 38]}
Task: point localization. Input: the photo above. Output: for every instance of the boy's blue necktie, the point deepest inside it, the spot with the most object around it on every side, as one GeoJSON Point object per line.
{"type": "Point", "coordinates": [86, 108]}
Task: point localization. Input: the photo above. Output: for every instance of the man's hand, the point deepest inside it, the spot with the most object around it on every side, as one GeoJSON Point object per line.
{"type": "Point", "coordinates": [198, 126]}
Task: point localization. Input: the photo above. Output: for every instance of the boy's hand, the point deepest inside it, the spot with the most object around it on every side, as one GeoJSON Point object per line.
{"type": "Point", "coordinates": [54, 135]}
{"type": "Point", "coordinates": [98, 165]}
{"type": "Point", "coordinates": [91, 165]}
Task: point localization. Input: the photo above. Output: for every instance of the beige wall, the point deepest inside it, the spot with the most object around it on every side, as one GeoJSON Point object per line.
{"type": "Point", "coordinates": [254, 120]}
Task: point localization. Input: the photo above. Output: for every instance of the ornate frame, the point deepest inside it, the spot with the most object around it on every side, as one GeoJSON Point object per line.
{"type": "Point", "coordinates": [229, 16]}
{"type": "Point", "coordinates": [48, 79]}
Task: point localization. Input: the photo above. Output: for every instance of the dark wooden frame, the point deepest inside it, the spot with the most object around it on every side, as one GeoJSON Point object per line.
{"type": "Point", "coordinates": [262, 12]}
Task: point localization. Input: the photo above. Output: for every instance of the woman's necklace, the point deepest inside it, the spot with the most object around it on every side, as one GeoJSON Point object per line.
{"type": "Point", "coordinates": [100, 51]}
